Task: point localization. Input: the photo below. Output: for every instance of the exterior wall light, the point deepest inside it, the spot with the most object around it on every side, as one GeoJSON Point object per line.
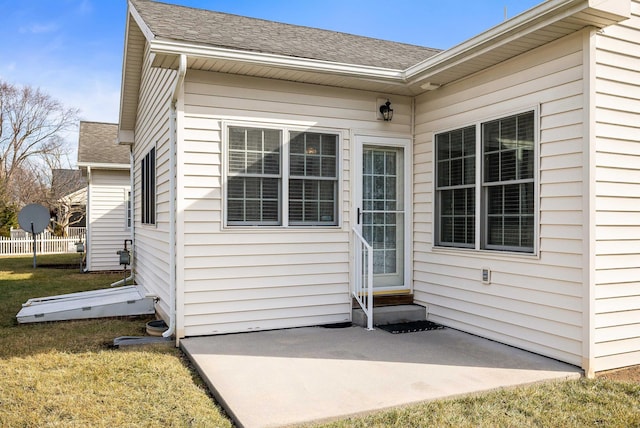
{"type": "Point", "coordinates": [386, 111]}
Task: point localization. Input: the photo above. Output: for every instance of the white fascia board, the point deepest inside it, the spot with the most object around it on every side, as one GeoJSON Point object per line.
{"type": "Point", "coordinates": [124, 65]}
{"type": "Point", "coordinates": [98, 165]}
{"type": "Point", "coordinates": [170, 47]}
{"type": "Point", "coordinates": [533, 19]}
{"type": "Point", "coordinates": [506, 31]}
{"type": "Point", "coordinates": [132, 13]}
{"type": "Point", "coordinates": [148, 34]}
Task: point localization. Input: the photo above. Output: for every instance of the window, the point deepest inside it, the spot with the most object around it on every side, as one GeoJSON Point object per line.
{"type": "Point", "coordinates": [148, 187]}
{"type": "Point", "coordinates": [264, 190]}
{"type": "Point", "coordinates": [253, 191]}
{"type": "Point", "coordinates": [506, 182]}
{"type": "Point", "coordinates": [455, 186]}
{"type": "Point", "coordinates": [127, 207]}
{"type": "Point", "coordinates": [313, 178]}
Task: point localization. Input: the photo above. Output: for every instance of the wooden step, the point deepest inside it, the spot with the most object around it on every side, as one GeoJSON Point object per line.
{"type": "Point", "coordinates": [388, 300]}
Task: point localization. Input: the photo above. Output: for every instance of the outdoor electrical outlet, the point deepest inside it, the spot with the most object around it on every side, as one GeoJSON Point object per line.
{"type": "Point", "coordinates": [486, 276]}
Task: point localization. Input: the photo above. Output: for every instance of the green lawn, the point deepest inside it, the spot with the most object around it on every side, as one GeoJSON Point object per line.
{"type": "Point", "coordinates": [576, 403]}
{"type": "Point", "coordinates": [67, 374]}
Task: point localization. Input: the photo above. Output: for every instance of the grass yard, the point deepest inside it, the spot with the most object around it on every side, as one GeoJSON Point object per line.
{"type": "Point", "coordinates": [576, 403]}
{"type": "Point", "coordinates": [66, 374]}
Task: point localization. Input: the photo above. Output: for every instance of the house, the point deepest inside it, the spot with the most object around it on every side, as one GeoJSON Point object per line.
{"type": "Point", "coordinates": [502, 194]}
{"type": "Point", "coordinates": [106, 168]}
{"type": "Point", "coordinates": [69, 196]}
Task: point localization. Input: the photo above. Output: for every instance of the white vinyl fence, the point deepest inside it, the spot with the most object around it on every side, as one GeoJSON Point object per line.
{"type": "Point", "coordinates": [21, 242]}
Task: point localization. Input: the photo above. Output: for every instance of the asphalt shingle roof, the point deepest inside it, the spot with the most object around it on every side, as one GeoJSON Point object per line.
{"type": "Point", "coordinates": [97, 144]}
{"type": "Point", "coordinates": [66, 181]}
{"type": "Point", "coordinates": [179, 23]}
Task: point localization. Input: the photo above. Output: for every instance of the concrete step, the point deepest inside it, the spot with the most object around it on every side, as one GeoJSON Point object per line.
{"type": "Point", "coordinates": [391, 315]}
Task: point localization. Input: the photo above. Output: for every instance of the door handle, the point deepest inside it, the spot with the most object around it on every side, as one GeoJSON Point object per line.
{"type": "Point", "coordinates": [358, 221]}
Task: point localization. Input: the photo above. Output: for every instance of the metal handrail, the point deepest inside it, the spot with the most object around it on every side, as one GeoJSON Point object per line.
{"type": "Point", "coordinates": [363, 284]}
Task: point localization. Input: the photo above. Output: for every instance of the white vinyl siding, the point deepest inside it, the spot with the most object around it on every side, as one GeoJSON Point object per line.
{"type": "Point", "coordinates": [151, 244]}
{"type": "Point", "coordinates": [106, 221]}
{"type": "Point", "coordinates": [533, 301]}
{"type": "Point", "coordinates": [617, 195]}
{"type": "Point", "coordinates": [256, 278]}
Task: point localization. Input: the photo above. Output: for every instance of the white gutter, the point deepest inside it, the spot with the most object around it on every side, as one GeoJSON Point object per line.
{"type": "Point", "coordinates": [173, 48]}
{"type": "Point", "coordinates": [182, 71]}
{"type": "Point", "coordinates": [104, 165]}
{"type": "Point", "coordinates": [87, 237]}
{"type": "Point", "coordinates": [531, 20]}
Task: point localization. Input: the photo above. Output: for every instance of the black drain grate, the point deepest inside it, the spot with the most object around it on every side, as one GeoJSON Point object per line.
{"type": "Point", "coordinates": [410, 327]}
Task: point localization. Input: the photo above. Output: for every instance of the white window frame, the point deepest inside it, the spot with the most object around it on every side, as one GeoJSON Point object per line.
{"type": "Point", "coordinates": [481, 208]}
{"type": "Point", "coordinates": [285, 176]}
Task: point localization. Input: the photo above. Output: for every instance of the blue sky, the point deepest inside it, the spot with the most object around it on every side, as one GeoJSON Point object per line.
{"type": "Point", "coordinates": [72, 49]}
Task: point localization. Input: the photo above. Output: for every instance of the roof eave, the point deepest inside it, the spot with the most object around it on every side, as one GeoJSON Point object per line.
{"type": "Point", "coordinates": [131, 70]}
{"type": "Point", "coordinates": [440, 69]}
{"type": "Point", "coordinates": [103, 165]}
{"type": "Point", "coordinates": [167, 52]}
{"type": "Point", "coordinates": [596, 13]}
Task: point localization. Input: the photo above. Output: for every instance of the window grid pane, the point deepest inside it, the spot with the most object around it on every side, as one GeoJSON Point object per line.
{"type": "Point", "coordinates": [508, 154]}
{"type": "Point", "coordinates": [255, 180]}
{"type": "Point", "coordinates": [313, 182]}
{"type": "Point", "coordinates": [455, 188]}
{"type": "Point", "coordinates": [254, 183]}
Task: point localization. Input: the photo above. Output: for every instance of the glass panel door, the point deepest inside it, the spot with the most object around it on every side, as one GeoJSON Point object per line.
{"type": "Point", "coordinates": [383, 213]}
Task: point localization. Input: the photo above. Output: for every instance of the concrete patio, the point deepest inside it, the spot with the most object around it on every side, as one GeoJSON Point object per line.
{"type": "Point", "coordinates": [287, 377]}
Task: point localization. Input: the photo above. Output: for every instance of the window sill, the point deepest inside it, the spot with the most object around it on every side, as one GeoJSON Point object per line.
{"type": "Point", "coordinates": [485, 254]}
{"type": "Point", "coordinates": [306, 229]}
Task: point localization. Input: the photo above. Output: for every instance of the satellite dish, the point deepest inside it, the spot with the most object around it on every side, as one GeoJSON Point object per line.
{"type": "Point", "coordinates": [34, 218]}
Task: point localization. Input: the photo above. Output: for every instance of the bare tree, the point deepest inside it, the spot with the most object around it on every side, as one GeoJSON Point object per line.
{"type": "Point", "coordinates": [27, 185]}
{"type": "Point", "coordinates": [31, 124]}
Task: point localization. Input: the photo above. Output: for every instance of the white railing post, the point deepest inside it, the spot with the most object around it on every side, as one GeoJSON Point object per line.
{"type": "Point", "coordinates": [363, 277]}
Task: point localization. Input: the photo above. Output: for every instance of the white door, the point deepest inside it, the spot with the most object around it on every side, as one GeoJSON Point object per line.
{"type": "Point", "coordinates": [381, 199]}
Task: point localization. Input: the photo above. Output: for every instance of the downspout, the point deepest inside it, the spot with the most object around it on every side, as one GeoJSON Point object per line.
{"type": "Point", "coordinates": [182, 71]}
{"type": "Point", "coordinates": [87, 237]}
{"type": "Point", "coordinates": [589, 205]}
{"type": "Point", "coordinates": [132, 227]}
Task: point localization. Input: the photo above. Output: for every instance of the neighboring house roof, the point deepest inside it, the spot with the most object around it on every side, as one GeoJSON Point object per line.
{"type": "Point", "coordinates": [172, 22]}
{"type": "Point", "coordinates": [97, 144]}
{"type": "Point", "coordinates": [66, 181]}
{"type": "Point", "coordinates": [79, 197]}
